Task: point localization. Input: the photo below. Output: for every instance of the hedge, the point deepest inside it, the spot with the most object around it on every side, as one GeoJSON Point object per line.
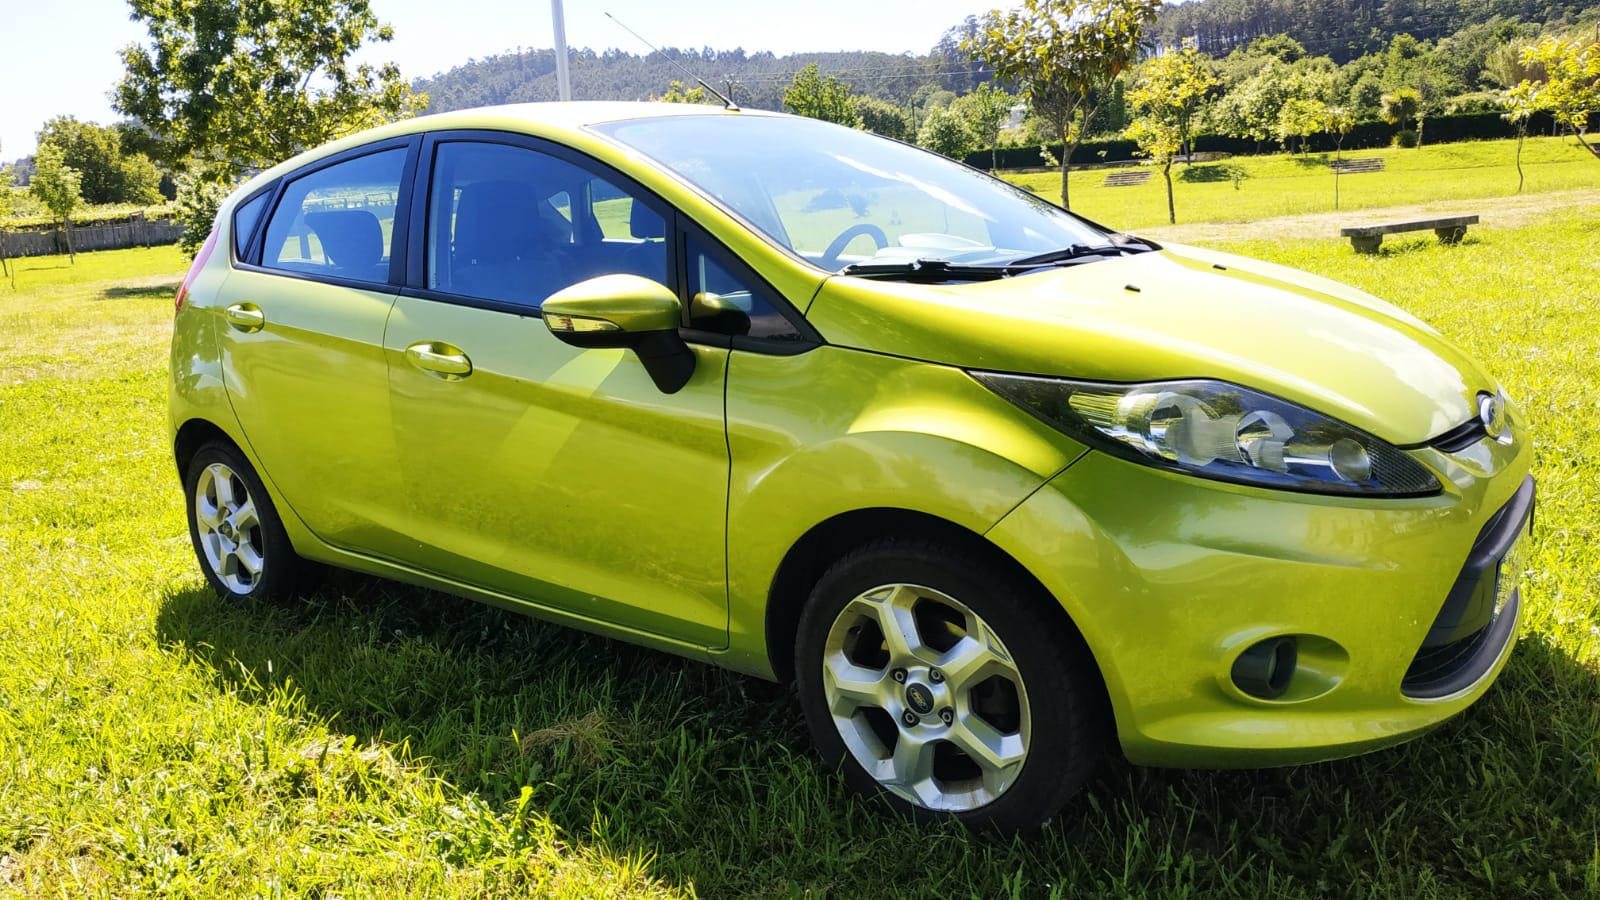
{"type": "Point", "coordinates": [1438, 130]}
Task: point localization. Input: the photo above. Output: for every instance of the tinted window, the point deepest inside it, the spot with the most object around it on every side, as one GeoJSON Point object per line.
{"type": "Point", "coordinates": [338, 221]}
{"type": "Point", "coordinates": [244, 221]}
{"type": "Point", "coordinates": [730, 303]}
{"type": "Point", "coordinates": [515, 225]}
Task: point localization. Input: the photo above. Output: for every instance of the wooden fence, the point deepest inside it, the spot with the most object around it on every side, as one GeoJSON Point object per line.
{"type": "Point", "coordinates": [89, 237]}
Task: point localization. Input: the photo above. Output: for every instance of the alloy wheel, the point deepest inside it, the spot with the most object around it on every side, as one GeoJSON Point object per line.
{"type": "Point", "coordinates": [229, 528]}
{"type": "Point", "coordinates": [926, 697]}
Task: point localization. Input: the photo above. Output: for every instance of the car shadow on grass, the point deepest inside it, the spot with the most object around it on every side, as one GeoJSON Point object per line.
{"type": "Point", "coordinates": [164, 289]}
{"type": "Point", "coordinates": [712, 775]}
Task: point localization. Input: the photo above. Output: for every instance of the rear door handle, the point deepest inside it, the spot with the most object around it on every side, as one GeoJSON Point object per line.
{"type": "Point", "coordinates": [245, 316]}
{"type": "Point", "coordinates": [440, 360]}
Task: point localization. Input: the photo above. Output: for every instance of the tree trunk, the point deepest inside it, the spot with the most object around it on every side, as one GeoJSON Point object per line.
{"type": "Point", "coordinates": [66, 223]}
{"type": "Point", "coordinates": [1338, 160]}
{"type": "Point", "coordinates": [1521, 131]}
{"type": "Point", "coordinates": [1172, 212]}
{"type": "Point", "coordinates": [1066, 163]}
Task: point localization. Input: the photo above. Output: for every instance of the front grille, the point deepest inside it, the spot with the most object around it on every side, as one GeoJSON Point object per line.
{"type": "Point", "coordinates": [1467, 635]}
{"type": "Point", "coordinates": [1460, 437]}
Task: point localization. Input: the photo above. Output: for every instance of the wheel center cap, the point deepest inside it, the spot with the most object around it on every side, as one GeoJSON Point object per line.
{"type": "Point", "coordinates": [919, 697]}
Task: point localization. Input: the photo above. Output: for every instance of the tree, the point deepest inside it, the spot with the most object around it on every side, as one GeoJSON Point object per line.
{"type": "Point", "coordinates": [1064, 54]}
{"type": "Point", "coordinates": [109, 175]}
{"type": "Point", "coordinates": [946, 132]}
{"type": "Point", "coordinates": [1520, 105]}
{"type": "Point", "coordinates": [56, 185]}
{"type": "Point", "coordinates": [1300, 117]}
{"type": "Point", "coordinates": [1570, 90]}
{"type": "Point", "coordinates": [816, 97]}
{"type": "Point", "coordinates": [1365, 97]}
{"type": "Point", "coordinates": [7, 201]}
{"type": "Point", "coordinates": [986, 110]}
{"type": "Point", "coordinates": [198, 200]}
{"type": "Point", "coordinates": [1412, 66]}
{"type": "Point", "coordinates": [1252, 108]}
{"type": "Point", "coordinates": [1337, 121]}
{"type": "Point", "coordinates": [1169, 92]}
{"type": "Point", "coordinates": [1401, 107]}
{"type": "Point", "coordinates": [242, 83]}
{"type": "Point", "coordinates": [676, 93]}
{"type": "Point", "coordinates": [883, 117]}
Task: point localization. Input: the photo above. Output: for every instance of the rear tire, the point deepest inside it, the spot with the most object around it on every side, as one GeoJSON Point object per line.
{"type": "Point", "coordinates": [948, 684]}
{"type": "Point", "coordinates": [237, 535]}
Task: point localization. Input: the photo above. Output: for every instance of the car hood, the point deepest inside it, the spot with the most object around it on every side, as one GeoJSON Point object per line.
{"type": "Point", "coordinates": [1182, 312]}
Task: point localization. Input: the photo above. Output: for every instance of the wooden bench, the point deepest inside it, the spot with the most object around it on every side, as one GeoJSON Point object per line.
{"type": "Point", "coordinates": [1367, 238]}
{"type": "Point", "coordinates": [1353, 166]}
{"type": "Point", "coordinates": [1126, 179]}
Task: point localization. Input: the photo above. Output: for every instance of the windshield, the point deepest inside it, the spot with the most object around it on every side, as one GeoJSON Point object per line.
{"type": "Point", "coordinates": [839, 197]}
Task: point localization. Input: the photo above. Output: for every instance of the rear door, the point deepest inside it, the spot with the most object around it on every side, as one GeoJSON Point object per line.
{"type": "Point", "coordinates": [305, 311]}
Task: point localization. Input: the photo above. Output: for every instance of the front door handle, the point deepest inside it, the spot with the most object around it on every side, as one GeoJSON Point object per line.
{"type": "Point", "coordinates": [245, 316]}
{"type": "Point", "coordinates": [440, 360]}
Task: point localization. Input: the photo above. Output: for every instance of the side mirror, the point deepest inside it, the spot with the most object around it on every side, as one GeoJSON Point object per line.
{"type": "Point", "coordinates": [625, 311]}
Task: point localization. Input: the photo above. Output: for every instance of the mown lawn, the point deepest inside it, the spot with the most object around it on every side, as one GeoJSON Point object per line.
{"type": "Point", "coordinates": [376, 740]}
{"type": "Point", "coordinates": [1290, 184]}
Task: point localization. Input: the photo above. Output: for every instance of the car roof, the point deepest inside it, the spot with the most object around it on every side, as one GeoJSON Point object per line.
{"type": "Point", "coordinates": [563, 121]}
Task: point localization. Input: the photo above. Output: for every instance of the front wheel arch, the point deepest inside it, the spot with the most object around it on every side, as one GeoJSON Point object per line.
{"type": "Point", "coordinates": [832, 539]}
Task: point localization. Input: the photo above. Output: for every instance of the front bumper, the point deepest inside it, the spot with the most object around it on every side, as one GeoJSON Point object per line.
{"type": "Point", "coordinates": [1171, 578]}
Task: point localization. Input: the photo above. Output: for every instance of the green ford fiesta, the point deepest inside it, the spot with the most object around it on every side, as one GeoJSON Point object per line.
{"type": "Point", "coordinates": [992, 485]}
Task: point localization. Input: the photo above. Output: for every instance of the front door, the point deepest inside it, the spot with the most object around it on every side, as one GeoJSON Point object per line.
{"type": "Point", "coordinates": [558, 475]}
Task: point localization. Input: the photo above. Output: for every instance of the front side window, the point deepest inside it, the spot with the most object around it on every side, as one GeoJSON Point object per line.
{"type": "Point", "coordinates": [338, 221]}
{"type": "Point", "coordinates": [516, 225]}
{"type": "Point", "coordinates": [836, 196]}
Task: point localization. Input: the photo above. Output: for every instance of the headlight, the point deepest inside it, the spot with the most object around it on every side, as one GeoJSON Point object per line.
{"type": "Point", "coordinates": [1219, 430]}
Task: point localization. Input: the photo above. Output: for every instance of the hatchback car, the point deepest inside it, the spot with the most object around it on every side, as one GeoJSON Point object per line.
{"type": "Point", "coordinates": [990, 484]}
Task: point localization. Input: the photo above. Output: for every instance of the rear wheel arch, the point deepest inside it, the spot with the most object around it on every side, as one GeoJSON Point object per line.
{"type": "Point", "coordinates": [193, 435]}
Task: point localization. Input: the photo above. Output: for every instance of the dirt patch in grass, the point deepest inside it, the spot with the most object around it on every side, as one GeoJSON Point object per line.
{"type": "Point", "coordinates": [1495, 212]}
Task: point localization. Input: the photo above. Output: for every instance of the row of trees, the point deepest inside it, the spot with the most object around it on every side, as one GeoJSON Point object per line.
{"type": "Point", "coordinates": [222, 88]}
{"type": "Point", "coordinates": [1082, 65]}
{"type": "Point", "coordinates": [1345, 29]}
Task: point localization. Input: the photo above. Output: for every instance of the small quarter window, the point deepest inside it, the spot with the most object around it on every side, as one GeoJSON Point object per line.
{"type": "Point", "coordinates": [245, 219]}
{"type": "Point", "coordinates": [727, 303]}
{"type": "Point", "coordinates": [338, 221]}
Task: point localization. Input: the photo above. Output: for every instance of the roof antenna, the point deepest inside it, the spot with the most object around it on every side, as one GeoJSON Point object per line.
{"type": "Point", "coordinates": [726, 103]}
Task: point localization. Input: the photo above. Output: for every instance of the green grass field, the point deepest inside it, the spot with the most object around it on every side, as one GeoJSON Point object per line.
{"type": "Point", "coordinates": [1286, 184]}
{"type": "Point", "coordinates": [375, 740]}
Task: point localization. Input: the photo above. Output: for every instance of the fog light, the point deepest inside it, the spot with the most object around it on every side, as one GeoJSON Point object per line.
{"type": "Point", "coordinates": [1264, 669]}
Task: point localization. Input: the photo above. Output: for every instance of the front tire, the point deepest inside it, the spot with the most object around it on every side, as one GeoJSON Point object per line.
{"type": "Point", "coordinates": [948, 684]}
{"type": "Point", "coordinates": [237, 535]}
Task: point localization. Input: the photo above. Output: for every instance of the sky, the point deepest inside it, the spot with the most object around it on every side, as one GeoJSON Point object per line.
{"type": "Point", "coordinates": [49, 67]}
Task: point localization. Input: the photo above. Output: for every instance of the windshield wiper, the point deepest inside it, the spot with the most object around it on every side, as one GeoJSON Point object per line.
{"type": "Point", "coordinates": [1131, 243]}
{"type": "Point", "coordinates": [931, 271]}
{"type": "Point", "coordinates": [1119, 244]}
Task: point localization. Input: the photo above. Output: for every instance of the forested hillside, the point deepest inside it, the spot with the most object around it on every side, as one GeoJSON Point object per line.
{"type": "Point", "coordinates": [1346, 29]}
{"type": "Point", "coordinates": [756, 79]}
{"type": "Point", "coordinates": [1339, 29]}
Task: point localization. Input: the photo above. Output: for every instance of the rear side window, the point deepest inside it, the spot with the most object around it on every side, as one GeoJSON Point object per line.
{"type": "Point", "coordinates": [244, 221]}
{"type": "Point", "coordinates": [338, 221]}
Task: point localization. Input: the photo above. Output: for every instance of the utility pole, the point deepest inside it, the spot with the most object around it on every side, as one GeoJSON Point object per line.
{"type": "Point", "coordinates": [563, 76]}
